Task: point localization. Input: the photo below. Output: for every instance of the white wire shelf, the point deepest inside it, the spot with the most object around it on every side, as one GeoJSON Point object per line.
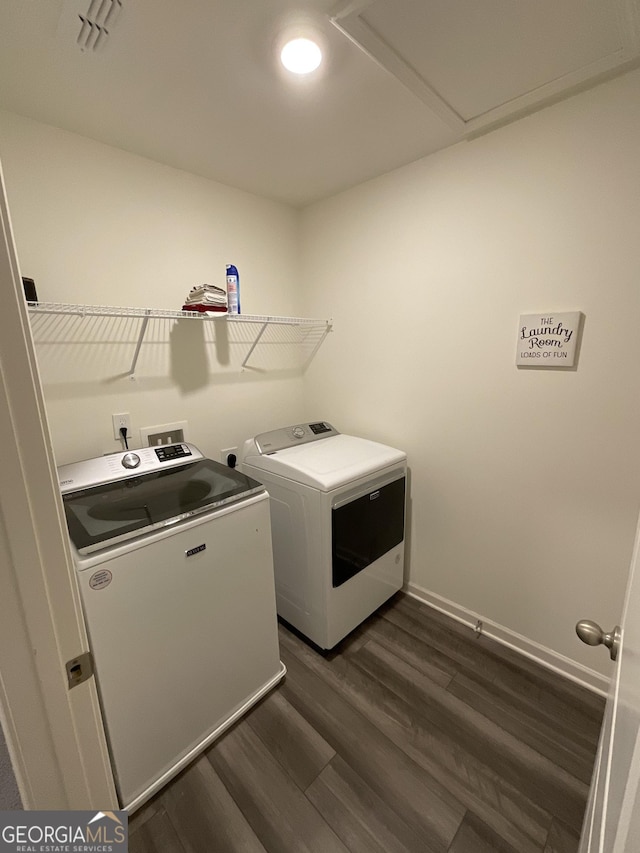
{"type": "Point", "coordinates": [163, 314]}
{"type": "Point", "coordinates": [146, 314]}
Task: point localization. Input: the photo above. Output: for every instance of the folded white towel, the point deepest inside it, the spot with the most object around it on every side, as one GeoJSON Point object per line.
{"type": "Point", "coordinates": [207, 288]}
{"type": "Point", "coordinates": [205, 296]}
{"type": "Point", "coordinates": [214, 298]}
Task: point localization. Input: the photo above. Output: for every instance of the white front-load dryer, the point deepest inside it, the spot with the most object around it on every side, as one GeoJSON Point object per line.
{"type": "Point", "coordinates": [337, 521]}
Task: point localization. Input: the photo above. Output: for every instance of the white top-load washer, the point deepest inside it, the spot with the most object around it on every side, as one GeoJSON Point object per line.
{"type": "Point", "coordinates": [174, 565]}
{"type": "Point", "coordinates": [337, 521]}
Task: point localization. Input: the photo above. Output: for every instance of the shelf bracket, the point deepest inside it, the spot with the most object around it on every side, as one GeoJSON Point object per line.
{"type": "Point", "coordinates": [143, 329]}
{"type": "Point", "coordinates": [254, 344]}
{"type": "Point", "coordinates": [311, 355]}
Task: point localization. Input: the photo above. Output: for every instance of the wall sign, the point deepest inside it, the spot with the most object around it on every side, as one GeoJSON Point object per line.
{"type": "Point", "coordinates": [548, 340]}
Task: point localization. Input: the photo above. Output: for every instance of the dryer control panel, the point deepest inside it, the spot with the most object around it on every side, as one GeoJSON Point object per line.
{"type": "Point", "coordinates": [279, 439]}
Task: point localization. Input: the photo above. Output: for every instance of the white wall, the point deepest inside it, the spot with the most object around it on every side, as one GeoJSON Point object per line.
{"type": "Point", "coordinates": [97, 225]}
{"type": "Point", "coordinates": [524, 483]}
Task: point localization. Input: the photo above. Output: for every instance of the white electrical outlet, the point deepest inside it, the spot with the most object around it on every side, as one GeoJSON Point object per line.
{"type": "Point", "coordinates": [121, 420]}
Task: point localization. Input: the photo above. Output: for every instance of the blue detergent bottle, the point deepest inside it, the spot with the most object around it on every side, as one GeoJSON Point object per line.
{"type": "Point", "coordinates": [233, 289]}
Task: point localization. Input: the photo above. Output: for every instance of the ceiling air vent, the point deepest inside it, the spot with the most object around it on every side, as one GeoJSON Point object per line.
{"type": "Point", "coordinates": [96, 23]}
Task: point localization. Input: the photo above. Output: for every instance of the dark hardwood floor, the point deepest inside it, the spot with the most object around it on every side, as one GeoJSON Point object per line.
{"type": "Point", "coordinates": [412, 735]}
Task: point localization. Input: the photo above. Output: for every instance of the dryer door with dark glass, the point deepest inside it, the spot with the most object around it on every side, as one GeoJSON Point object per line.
{"type": "Point", "coordinates": [365, 529]}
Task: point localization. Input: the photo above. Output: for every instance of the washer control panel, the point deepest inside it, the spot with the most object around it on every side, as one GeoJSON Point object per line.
{"type": "Point", "coordinates": [168, 452]}
{"type": "Point", "coordinates": [119, 466]}
{"type": "Point", "coordinates": [280, 439]}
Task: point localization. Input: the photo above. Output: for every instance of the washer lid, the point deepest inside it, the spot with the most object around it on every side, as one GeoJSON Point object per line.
{"type": "Point", "coordinates": [109, 513]}
{"type": "Point", "coordinates": [328, 463]}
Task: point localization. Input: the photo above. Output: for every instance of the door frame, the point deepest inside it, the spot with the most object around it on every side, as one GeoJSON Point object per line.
{"type": "Point", "coordinates": [612, 816]}
{"type": "Point", "coordinates": [54, 734]}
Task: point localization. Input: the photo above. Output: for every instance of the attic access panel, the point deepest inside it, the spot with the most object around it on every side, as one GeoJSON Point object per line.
{"type": "Point", "coordinates": [475, 64]}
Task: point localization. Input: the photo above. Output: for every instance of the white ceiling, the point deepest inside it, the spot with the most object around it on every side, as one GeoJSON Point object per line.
{"type": "Point", "coordinates": [195, 83]}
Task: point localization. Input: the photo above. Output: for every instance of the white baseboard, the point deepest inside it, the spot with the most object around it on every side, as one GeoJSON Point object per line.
{"type": "Point", "coordinates": [564, 666]}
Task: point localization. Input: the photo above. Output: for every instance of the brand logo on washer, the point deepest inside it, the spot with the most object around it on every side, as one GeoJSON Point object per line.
{"type": "Point", "coordinates": [197, 550]}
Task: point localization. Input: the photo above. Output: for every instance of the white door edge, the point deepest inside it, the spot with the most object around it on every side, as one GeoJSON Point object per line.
{"type": "Point", "coordinates": [54, 735]}
{"type": "Point", "coordinates": [612, 818]}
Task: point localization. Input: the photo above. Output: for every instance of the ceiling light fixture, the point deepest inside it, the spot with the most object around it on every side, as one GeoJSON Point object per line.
{"type": "Point", "coordinates": [301, 56]}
